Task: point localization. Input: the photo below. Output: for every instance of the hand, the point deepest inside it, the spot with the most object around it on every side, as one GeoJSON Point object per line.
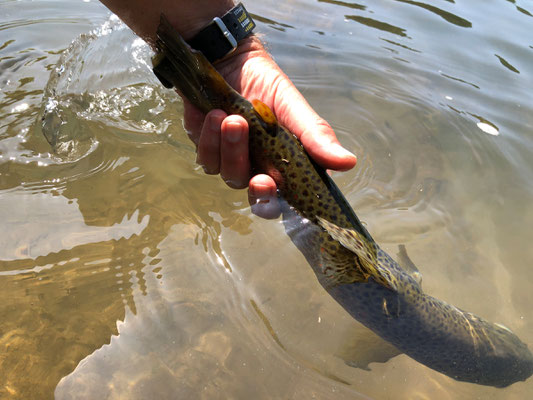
{"type": "Point", "coordinates": [222, 140]}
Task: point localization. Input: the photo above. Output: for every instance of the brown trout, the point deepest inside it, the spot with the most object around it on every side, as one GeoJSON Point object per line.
{"type": "Point", "coordinates": [348, 263]}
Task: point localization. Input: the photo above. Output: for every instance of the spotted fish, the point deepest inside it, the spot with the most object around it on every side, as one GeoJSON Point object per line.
{"type": "Point", "coordinates": [348, 263]}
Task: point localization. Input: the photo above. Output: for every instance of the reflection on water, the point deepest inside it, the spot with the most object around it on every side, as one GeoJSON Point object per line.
{"type": "Point", "coordinates": [126, 272]}
{"type": "Point", "coordinates": [373, 23]}
{"type": "Point", "coordinates": [506, 64]}
{"type": "Point", "coordinates": [447, 16]}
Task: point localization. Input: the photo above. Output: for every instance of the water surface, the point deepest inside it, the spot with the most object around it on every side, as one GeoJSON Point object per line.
{"type": "Point", "coordinates": [125, 272]}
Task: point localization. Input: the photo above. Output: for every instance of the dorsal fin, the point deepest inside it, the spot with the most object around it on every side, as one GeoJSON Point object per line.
{"type": "Point", "coordinates": [407, 264]}
{"type": "Point", "coordinates": [365, 251]}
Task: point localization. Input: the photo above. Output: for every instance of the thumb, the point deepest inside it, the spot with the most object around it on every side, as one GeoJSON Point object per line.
{"type": "Point", "coordinates": [320, 142]}
{"type": "Point", "coordinates": [315, 133]}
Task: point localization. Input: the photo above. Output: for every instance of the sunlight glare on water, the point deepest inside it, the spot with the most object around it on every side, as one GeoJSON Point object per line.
{"type": "Point", "coordinates": [126, 272]}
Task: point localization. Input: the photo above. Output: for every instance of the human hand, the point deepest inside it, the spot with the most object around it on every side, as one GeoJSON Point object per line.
{"type": "Point", "coordinates": [222, 140]}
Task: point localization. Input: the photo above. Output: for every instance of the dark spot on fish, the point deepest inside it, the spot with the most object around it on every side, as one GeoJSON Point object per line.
{"type": "Point", "coordinates": [299, 164]}
{"type": "Point", "coordinates": [305, 179]}
{"type": "Point", "coordinates": [305, 193]}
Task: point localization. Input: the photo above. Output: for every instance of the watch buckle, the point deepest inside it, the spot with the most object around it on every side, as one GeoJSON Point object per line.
{"type": "Point", "coordinates": [225, 31]}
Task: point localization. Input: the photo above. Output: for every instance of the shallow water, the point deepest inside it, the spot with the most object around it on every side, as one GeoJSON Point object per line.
{"type": "Point", "coordinates": [125, 272]}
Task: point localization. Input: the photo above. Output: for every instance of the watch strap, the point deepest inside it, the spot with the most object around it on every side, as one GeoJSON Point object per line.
{"type": "Point", "coordinates": [222, 35]}
{"type": "Point", "coordinates": [216, 40]}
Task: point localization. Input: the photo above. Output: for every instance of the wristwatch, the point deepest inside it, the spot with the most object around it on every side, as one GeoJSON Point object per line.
{"type": "Point", "coordinates": [215, 41]}
{"type": "Point", "coordinates": [222, 35]}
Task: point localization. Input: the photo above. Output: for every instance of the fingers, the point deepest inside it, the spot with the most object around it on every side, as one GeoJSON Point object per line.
{"type": "Point", "coordinates": [208, 151]}
{"type": "Point", "coordinates": [315, 133]}
{"type": "Point", "coordinates": [262, 195]}
{"type": "Point", "coordinates": [193, 120]}
{"type": "Point", "coordinates": [222, 144]}
{"type": "Point", "coordinates": [292, 110]}
{"type": "Point", "coordinates": [323, 146]}
{"type": "Point", "coordinates": [223, 148]}
{"type": "Point", "coordinates": [234, 160]}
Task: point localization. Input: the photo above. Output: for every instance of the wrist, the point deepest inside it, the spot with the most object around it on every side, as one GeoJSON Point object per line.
{"type": "Point", "coordinates": [249, 47]}
{"type": "Point", "coordinates": [187, 17]}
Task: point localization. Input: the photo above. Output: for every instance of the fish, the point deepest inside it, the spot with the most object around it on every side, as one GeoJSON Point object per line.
{"type": "Point", "coordinates": [369, 284]}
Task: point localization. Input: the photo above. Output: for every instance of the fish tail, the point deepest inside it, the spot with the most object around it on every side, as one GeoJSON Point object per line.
{"type": "Point", "coordinates": [177, 65]}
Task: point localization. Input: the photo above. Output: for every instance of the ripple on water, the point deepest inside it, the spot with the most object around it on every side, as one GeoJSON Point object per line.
{"type": "Point", "coordinates": [86, 90]}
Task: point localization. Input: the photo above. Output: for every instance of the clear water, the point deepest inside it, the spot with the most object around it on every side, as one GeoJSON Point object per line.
{"type": "Point", "coordinates": [125, 272]}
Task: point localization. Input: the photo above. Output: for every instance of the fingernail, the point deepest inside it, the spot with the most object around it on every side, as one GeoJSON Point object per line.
{"type": "Point", "coordinates": [214, 123]}
{"type": "Point", "coordinates": [209, 171]}
{"type": "Point", "coordinates": [340, 151]}
{"type": "Point", "coordinates": [234, 184]}
{"type": "Point", "coordinates": [261, 192]}
{"type": "Point", "coordinates": [234, 132]}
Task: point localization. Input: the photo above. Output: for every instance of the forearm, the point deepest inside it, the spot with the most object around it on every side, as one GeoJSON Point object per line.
{"type": "Point", "coordinates": [187, 16]}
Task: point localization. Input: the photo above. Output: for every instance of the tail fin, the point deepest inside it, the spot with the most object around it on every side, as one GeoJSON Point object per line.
{"type": "Point", "coordinates": [189, 71]}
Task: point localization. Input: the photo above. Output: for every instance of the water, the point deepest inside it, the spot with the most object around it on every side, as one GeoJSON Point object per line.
{"type": "Point", "coordinates": [125, 272]}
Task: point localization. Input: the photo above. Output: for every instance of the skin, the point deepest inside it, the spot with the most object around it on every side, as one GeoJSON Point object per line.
{"type": "Point", "coordinates": [222, 139]}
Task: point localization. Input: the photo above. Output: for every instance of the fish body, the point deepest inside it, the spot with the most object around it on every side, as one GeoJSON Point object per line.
{"type": "Point", "coordinates": [355, 271]}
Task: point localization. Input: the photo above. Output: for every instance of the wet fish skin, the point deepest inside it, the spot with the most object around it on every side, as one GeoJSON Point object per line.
{"type": "Point", "coordinates": [437, 334]}
{"type": "Point", "coordinates": [359, 275]}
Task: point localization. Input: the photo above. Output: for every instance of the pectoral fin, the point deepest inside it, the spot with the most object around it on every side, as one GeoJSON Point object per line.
{"type": "Point", "coordinates": [365, 251]}
{"type": "Point", "coordinates": [339, 268]}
